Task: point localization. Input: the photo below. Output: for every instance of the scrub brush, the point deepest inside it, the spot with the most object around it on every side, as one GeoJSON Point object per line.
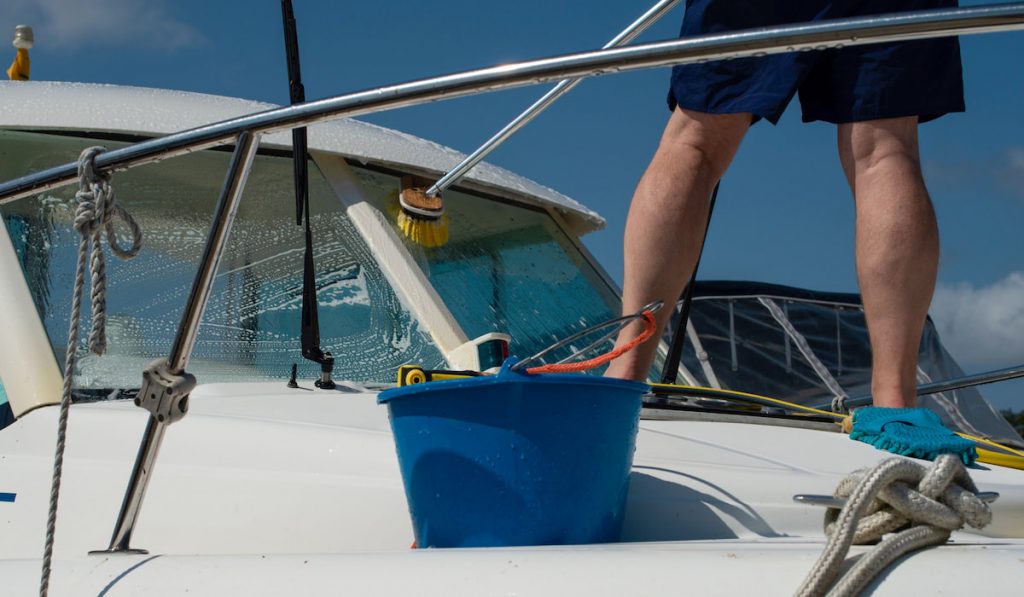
{"type": "Point", "coordinates": [422, 216]}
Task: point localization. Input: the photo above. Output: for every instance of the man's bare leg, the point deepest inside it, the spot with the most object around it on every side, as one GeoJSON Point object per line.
{"type": "Point", "coordinates": [897, 248]}
{"type": "Point", "coordinates": [667, 217]}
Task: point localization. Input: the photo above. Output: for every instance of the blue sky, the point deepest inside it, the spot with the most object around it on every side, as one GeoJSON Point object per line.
{"type": "Point", "coordinates": [784, 215]}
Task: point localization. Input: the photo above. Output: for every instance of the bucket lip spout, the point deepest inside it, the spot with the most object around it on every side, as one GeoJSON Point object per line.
{"type": "Point", "coordinates": [507, 376]}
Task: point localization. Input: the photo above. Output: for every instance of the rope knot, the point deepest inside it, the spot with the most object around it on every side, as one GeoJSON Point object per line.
{"type": "Point", "coordinates": [905, 493]}
{"type": "Point", "coordinates": [920, 505]}
{"type": "Point", "coordinates": [87, 171]}
{"type": "Point", "coordinates": [97, 206]}
{"type": "Point", "coordinates": [89, 190]}
{"type": "Point", "coordinates": [85, 213]}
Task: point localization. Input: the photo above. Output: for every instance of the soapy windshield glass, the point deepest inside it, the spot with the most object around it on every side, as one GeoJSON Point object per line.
{"type": "Point", "coordinates": [509, 268]}
{"type": "Point", "coordinates": [250, 329]}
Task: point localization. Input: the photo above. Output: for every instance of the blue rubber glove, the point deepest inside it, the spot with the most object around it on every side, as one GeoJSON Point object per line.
{"type": "Point", "coordinates": [915, 432]}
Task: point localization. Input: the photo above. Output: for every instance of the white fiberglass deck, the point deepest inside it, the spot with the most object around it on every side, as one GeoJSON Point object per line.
{"type": "Point", "coordinates": [260, 468]}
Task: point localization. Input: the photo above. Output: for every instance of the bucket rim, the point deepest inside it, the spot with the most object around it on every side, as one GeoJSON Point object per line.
{"type": "Point", "coordinates": [506, 376]}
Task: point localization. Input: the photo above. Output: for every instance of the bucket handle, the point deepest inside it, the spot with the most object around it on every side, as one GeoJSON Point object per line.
{"type": "Point", "coordinates": [650, 327]}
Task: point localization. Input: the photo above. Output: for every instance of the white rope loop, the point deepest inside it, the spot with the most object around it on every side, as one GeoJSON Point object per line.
{"type": "Point", "coordinates": [97, 205]}
{"type": "Point", "coordinates": [924, 504]}
{"type": "Point", "coordinates": [886, 552]}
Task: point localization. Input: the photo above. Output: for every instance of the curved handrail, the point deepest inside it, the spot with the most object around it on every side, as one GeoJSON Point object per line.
{"type": "Point", "coordinates": [949, 385]}
{"type": "Point", "coordinates": [754, 42]}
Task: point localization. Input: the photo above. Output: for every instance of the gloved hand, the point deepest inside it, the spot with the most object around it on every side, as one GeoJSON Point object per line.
{"type": "Point", "coordinates": [915, 432]}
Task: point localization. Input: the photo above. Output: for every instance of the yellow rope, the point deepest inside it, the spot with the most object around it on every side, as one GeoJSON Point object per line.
{"type": "Point", "coordinates": [988, 442]}
{"type": "Point", "coordinates": [1009, 457]}
{"type": "Point", "coordinates": [1007, 460]}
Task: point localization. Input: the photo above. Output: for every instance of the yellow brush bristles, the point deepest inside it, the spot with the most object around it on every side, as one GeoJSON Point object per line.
{"type": "Point", "coordinates": [421, 216]}
{"type": "Point", "coordinates": [427, 232]}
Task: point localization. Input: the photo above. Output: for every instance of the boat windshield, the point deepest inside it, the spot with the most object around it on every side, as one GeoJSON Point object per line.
{"type": "Point", "coordinates": [250, 329]}
{"type": "Point", "coordinates": [508, 267]}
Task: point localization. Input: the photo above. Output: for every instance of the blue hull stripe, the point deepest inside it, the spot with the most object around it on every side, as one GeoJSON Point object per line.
{"type": "Point", "coordinates": [7, 497]}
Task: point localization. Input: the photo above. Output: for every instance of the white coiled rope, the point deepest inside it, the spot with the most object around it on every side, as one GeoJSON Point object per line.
{"type": "Point", "coordinates": [920, 505]}
{"type": "Point", "coordinates": [97, 206]}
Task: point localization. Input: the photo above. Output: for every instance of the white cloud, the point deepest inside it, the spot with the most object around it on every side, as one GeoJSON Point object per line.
{"type": "Point", "coordinates": [999, 174]}
{"type": "Point", "coordinates": [1015, 159]}
{"type": "Point", "coordinates": [982, 327]}
{"type": "Point", "coordinates": [1013, 172]}
{"type": "Point", "coordinates": [100, 23]}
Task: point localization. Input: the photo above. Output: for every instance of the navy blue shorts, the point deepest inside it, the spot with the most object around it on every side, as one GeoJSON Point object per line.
{"type": "Point", "coordinates": [918, 78]}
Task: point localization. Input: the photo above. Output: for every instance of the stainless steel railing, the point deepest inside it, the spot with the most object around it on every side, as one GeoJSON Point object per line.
{"type": "Point", "coordinates": [949, 385]}
{"type": "Point", "coordinates": [757, 42]}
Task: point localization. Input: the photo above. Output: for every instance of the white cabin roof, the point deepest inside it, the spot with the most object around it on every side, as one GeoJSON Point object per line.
{"type": "Point", "coordinates": [47, 105]}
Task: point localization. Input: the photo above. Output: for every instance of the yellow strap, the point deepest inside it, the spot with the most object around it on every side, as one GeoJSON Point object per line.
{"type": "Point", "coordinates": [988, 442]}
{"type": "Point", "coordinates": [1007, 460]}
{"type": "Point", "coordinates": [20, 67]}
{"type": "Point", "coordinates": [1008, 457]}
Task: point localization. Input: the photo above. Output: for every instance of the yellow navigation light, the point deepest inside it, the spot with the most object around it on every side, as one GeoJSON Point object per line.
{"type": "Point", "coordinates": [23, 40]}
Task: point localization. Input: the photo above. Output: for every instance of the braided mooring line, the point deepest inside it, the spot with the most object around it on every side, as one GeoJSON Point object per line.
{"type": "Point", "coordinates": [883, 554]}
{"type": "Point", "coordinates": [927, 503]}
{"type": "Point", "coordinates": [97, 205]}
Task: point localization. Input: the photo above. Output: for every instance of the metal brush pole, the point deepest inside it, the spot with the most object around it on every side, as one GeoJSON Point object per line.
{"type": "Point", "coordinates": [627, 35]}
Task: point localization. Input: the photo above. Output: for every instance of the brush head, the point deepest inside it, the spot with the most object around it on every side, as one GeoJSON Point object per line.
{"type": "Point", "coordinates": [426, 232]}
{"type": "Point", "coordinates": [421, 217]}
{"type": "Point", "coordinates": [414, 199]}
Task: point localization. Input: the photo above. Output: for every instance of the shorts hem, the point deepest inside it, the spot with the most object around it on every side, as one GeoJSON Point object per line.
{"type": "Point", "coordinates": [924, 114]}
{"type": "Point", "coordinates": [703, 108]}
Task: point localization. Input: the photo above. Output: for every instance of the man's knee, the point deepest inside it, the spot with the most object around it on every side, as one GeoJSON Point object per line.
{"type": "Point", "coordinates": [869, 145]}
{"type": "Point", "coordinates": [708, 139]}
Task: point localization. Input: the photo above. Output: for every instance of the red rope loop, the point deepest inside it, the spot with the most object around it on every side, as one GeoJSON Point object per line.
{"type": "Point", "coordinates": [649, 328]}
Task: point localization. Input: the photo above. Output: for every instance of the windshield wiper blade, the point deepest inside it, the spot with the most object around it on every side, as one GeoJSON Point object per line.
{"type": "Point", "coordinates": [310, 332]}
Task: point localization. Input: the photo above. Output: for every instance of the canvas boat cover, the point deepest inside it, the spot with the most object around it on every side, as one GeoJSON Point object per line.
{"type": "Point", "coordinates": [809, 347]}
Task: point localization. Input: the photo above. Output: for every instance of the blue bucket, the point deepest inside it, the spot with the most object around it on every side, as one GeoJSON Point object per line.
{"type": "Point", "coordinates": [516, 459]}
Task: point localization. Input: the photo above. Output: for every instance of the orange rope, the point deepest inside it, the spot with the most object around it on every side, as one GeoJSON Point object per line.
{"type": "Point", "coordinates": [649, 328]}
